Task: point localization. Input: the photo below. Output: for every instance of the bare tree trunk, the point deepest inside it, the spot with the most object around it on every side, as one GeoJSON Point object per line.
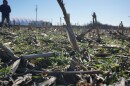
{"type": "Point", "coordinates": [71, 35]}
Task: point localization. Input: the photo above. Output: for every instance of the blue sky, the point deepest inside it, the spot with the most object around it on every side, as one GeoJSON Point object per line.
{"type": "Point", "coordinates": [108, 11]}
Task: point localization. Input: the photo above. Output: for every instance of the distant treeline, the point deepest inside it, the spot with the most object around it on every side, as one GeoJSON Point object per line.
{"type": "Point", "coordinates": [27, 22]}
{"type": "Point", "coordinates": [90, 26]}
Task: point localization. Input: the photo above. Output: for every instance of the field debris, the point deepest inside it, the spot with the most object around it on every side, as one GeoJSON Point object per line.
{"type": "Point", "coordinates": [54, 56]}
{"type": "Point", "coordinates": [55, 62]}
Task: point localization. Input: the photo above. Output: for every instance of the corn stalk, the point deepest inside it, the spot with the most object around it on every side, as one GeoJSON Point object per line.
{"type": "Point", "coordinates": [70, 32]}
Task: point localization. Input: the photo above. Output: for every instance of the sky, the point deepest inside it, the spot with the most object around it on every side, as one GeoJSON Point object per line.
{"type": "Point", "coordinates": [110, 12]}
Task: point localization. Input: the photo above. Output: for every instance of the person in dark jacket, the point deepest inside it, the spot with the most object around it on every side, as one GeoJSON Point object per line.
{"type": "Point", "coordinates": [5, 10]}
{"type": "Point", "coordinates": [94, 17]}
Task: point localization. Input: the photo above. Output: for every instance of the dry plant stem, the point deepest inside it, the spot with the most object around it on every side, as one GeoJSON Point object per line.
{"type": "Point", "coordinates": [71, 35]}
{"type": "Point", "coordinates": [84, 33]}
{"type": "Point", "coordinates": [15, 66]}
{"type": "Point", "coordinates": [8, 52]}
{"type": "Point", "coordinates": [48, 82]}
{"type": "Point", "coordinates": [33, 56]}
{"type": "Point", "coordinates": [69, 72]}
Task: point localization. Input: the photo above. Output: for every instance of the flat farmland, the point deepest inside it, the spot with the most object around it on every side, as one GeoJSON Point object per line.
{"type": "Point", "coordinates": [45, 56]}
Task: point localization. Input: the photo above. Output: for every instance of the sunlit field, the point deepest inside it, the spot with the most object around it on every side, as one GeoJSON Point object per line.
{"type": "Point", "coordinates": [103, 61]}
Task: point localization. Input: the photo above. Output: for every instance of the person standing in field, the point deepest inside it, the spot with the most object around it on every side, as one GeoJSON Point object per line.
{"type": "Point", "coordinates": [121, 27]}
{"type": "Point", "coordinates": [94, 18]}
{"type": "Point", "coordinates": [5, 10]}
